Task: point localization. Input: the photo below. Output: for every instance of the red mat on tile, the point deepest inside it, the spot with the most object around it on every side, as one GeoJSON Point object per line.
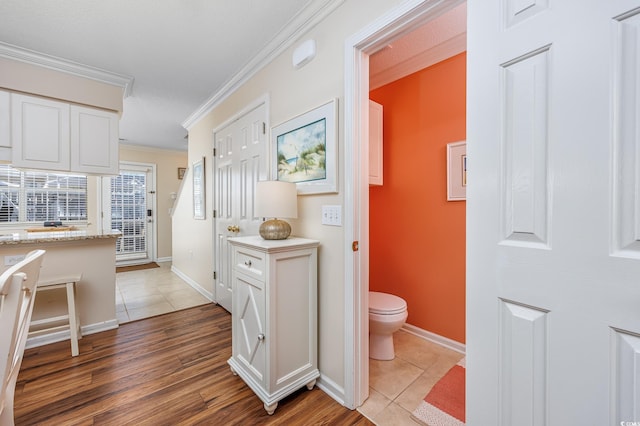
{"type": "Point", "coordinates": [444, 404]}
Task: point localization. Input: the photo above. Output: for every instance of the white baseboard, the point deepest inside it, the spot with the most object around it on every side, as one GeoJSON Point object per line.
{"type": "Point", "coordinates": [164, 259]}
{"type": "Point", "coordinates": [62, 335]}
{"type": "Point", "coordinates": [192, 283]}
{"type": "Point", "coordinates": [435, 338]}
{"type": "Point", "coordinates": [331, 388]}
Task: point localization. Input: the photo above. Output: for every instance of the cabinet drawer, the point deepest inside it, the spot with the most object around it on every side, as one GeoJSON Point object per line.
{"type": "Point", "coordinates": [250, 262]}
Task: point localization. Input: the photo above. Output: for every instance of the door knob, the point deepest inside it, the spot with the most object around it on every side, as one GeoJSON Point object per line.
{"type": "Point", "coordinates": [233, 228]}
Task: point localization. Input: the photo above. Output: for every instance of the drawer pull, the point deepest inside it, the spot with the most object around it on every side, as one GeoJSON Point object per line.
{"type": "Point", "coordinates": [261, 337]}
{"type": "Point", "coordinates": [247, 263]}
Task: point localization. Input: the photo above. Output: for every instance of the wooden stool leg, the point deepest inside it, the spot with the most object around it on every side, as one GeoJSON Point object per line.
{"type": "Point", "coordinates": [73, 318]}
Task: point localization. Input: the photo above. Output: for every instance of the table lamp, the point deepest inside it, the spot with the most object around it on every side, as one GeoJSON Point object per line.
{"type": "Point", "coordinates": [276, 199]}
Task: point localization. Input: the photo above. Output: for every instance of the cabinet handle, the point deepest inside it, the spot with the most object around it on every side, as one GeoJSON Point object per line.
{"type": "Point", "coordinates": [247, 263]}
{"type": "Point", "coordinates": [261, 337]}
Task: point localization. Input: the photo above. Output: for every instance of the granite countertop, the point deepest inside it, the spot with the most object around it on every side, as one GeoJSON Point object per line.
{"type": "Point", "coordinates": [25, 237]}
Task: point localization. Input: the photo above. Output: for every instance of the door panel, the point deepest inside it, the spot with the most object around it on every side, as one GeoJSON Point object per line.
{"type": "Point", "coordinates": [240, 161]}
{"type": "Point", "coordinates": [249, 306]}
{"type": "Point", "coordinates": [552, 269]}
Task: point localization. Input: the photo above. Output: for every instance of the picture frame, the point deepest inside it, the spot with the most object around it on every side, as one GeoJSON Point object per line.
{"type": "Point", "coordinates": [457, 171]}
{"type": "Point", "coordinates": [181, 172]}
{"type": "Point", "coordinates": [304, 150]}
{"type": "Point", "coordinates": [199, 206]}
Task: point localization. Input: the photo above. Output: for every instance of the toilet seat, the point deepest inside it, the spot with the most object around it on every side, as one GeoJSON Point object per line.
{"type": "Point", "coordinates": [386, 304]}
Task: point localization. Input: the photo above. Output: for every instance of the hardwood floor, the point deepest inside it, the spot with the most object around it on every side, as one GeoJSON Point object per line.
{"type": "Point", "coordinates": [166, 370]}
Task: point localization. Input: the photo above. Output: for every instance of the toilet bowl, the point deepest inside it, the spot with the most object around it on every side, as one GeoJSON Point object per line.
{"type": "Point", "coordinates": [387, 313]}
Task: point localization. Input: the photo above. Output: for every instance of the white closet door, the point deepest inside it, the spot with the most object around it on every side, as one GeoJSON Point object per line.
{"type": "Point", "coordinates": [240, 161]}
{"type": "Point", "coordinates": [553, 212]}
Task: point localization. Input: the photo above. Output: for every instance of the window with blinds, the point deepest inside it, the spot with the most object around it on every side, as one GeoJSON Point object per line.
{"type": "Point", "coordinates": [37, 196]}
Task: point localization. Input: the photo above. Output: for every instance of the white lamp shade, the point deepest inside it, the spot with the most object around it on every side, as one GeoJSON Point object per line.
{"type": "Point", "coordinates": [275, 198]}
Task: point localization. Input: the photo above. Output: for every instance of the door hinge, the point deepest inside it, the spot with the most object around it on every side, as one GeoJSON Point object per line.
{"type": "Point", "coordinates": [215, 275]}
{"type": "Point", "coordinates": [264, 128]}
{"type": "Point", "coordinates": [355, 246]}
{"type": "Point", "coordinates": [215, 214]}
{"type": "Point", "coordinates": [214, 152]}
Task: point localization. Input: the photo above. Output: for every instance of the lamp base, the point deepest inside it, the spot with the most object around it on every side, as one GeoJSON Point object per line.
{"type": "Point", "coordinates": [275, 229]}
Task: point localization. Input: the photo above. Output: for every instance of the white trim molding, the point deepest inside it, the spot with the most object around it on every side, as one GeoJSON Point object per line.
{"type": "Point", "coordinates": [197, 287]}
{"type": "Point", "coordinates": [62, 335]}
{"type": "Point", "coordinates": [305, 20]}
{"type": "Point", "coordinates": [331, 388]}
{"type": "Point", "coordinates": [32, 57]}
{"type": "Point", "coordinates": [435, 338]}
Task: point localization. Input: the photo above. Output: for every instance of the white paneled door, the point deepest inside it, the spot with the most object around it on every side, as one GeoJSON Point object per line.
{"type": "Point", "coordinates": [553, 212]}
{"type": "Point", "coordinates": [240, 160]}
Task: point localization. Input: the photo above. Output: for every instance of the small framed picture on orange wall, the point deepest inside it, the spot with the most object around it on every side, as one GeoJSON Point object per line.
{"type": "Point", "coordinates": [457, 171]}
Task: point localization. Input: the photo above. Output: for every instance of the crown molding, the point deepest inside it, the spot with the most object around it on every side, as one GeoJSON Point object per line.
{"type": "Point", "coordinates": [305, 20]}
{"type": "Point", "coordinates": [32, 57]}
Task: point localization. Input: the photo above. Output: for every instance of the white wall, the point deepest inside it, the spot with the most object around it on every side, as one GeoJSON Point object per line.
{"type": "Point", "coordinates": [291, 92]}
{"type": "Point", "coordinates": [28, 78]}
{"type": "Point", "coordinates": [167, 163]}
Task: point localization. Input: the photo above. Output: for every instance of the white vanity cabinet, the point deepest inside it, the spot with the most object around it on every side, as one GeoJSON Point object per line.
{"type": "Point", "coordinates": [53, 135]}
{"type": "Point", "coordinates": [274, 321]}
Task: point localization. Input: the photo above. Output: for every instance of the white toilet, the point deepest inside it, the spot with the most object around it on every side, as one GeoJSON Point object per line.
{"type": "Point", "coordinates": [387, 313]}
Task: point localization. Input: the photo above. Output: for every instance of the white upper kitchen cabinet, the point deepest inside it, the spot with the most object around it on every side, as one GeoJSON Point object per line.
{"type": "Point", "coordinates": [94, 141]}
{"type": "Point", "coordinates": [48, 134]}
{"type": "Point", "coordinates": [39, 133]}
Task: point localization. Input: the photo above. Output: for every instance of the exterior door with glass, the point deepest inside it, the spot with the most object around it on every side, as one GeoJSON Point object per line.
{"type": "Point", "coordinates": [129, 207]}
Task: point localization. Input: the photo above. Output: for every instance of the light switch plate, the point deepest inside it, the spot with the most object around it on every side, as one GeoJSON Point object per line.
{"type": "Point", "coordinates": [332, 215]}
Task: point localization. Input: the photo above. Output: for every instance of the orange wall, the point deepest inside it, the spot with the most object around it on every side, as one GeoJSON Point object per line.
{"type": "Point", "coordinates": [417, 236]}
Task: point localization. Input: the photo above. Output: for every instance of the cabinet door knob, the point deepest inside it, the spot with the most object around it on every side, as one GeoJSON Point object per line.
{"type": "Point", "coordinates": [247, 263]}
{"type": "Point", "coordinates": [261, 337]}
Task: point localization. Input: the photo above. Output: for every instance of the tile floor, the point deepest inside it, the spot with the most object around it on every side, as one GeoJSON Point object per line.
{"type": "Point", "coordinates": [396, 387]}
{"type": "Point", "coordinates": [148, 292]}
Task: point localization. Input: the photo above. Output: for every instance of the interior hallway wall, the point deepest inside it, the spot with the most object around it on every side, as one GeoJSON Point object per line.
{"type": "Point", "coordinates": [167, 182]}
{"type": "Point", "coordinates": [417, 237]}
{"type": "Point", "coordinates": [291, 92]}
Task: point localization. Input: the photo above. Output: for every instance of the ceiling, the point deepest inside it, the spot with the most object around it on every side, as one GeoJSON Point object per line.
{"type": "Point", "coordinates": [437, 40]}
{"type": "Point", "coordinates": [181, 52]}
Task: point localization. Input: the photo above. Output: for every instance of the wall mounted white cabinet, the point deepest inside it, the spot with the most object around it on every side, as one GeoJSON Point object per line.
{"type": "Point", "coordinates": [94, 141]}
{"type": "Point", "coordinates": [53, 135]}
{"type": "Point", "coordinates": [375, 144]}
{"type": "Point", "coordinates": [39, 133]}
{"type": "Point", "coordinates": [5, 125]}
{"type": "Point", "coordinates": [274, 322]}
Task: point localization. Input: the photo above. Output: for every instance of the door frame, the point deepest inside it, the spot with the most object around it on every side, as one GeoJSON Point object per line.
{"type": "Point", "coordinates": [395, 23]}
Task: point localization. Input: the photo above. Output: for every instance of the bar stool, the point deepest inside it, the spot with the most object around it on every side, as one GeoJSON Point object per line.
{"type": "Point", "coordinates": [72, 318]}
